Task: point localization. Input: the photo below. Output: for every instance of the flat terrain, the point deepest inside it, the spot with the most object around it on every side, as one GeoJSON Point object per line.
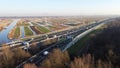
{"type": "Point", "coordinates": [28, 32]}
{"type": "Point", "coordinates": [17, 32]}
{"type": "Point", "coordinates": [4, 23]}
{"type": "Point", "coordinates": [48, 24]}
{"type": "Point", "coordinates": [43, 29]}
{"type": "Point", "coordinates": [14, 33]}
{"type": "Point", "coordinates": [34, 28]}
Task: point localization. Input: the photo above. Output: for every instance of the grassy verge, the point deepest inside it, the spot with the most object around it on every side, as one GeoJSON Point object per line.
{"type": "Point", "coordinates": [17, 32]}
{"type": "Point", "coordinates": [43, 29]}
{"type": "Point", "coordinates": [28, 32]}
{"type": "Point", "coordinates": [73, 50]}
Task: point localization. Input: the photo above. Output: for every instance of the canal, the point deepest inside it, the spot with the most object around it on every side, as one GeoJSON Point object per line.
{"type": "Point", "coordinates": [22, 31]}
{"type": "Point", "coordinates": [4, 33]}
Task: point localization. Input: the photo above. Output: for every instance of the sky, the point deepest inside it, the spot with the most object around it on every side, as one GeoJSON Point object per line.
{"type": "Point", "coordinates": [59, 7]}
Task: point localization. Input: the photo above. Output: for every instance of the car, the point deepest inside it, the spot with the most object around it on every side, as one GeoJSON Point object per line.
{"type": "Point", "coordinates": [45, 53]}
{"type": "Point", "coordinates": [12, 45]}
{"type": "Point", "coordinates": [25, 48]}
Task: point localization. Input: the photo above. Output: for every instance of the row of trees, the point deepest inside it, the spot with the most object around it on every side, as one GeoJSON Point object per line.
{"type": "Point", "coordinates": [103, 52]}
{"type": "Point", "coordinates": [10, 58]}
{"type": "Point", "coordinates": [104, 48]}
{"type": "Point", "coordinates": [58, 59]}
{"type": "Point", "coordinates": [106, 45]}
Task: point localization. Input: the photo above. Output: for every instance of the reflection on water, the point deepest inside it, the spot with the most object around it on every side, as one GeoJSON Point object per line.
{"type": "Point", "coordinates": [4, 33]}
{"type": "Point", "coordinates": [22, 31]}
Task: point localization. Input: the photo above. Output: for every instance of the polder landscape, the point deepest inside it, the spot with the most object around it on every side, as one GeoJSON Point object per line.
{"type": "Point", "coordinates": [59, 33]}
{"type": "Point", "coordinates": [34, 41]}
{"type": "Point", "coordinates": [26, 27]}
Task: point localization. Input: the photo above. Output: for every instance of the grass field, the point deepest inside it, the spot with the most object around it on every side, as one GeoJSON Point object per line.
{"type": "Point", "coordinates": [28, 32]}
{"type": "Point", "coordinates": [17, 32]}
{"type": "Point", "coordinates": [73, 50]}
{"type": "Point", "coordinates": [43, 29]}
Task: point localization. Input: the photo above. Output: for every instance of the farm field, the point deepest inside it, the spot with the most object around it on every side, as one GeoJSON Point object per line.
{"type": "Point", "coordinates": [28, 32]}
{"type": "Point", "coordinates": [4, 23]}
{"type": "Point", "coordinates": [36, 26]}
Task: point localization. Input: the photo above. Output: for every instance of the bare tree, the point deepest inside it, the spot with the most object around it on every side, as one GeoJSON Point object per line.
{"type": "Point", "coordinates": [7, 58]}
{"type": "Point", "coordinates": [56, 59]}
{"type": "Point", "coordinates": [29, 65]}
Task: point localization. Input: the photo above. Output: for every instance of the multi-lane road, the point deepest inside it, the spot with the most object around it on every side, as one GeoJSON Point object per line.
{"type": "Point", "coordinates": [65, 37]}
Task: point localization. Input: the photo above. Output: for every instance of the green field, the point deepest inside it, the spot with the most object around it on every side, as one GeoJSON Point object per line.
{"type": "Point", "coordinates": [43, 29]}
{"type": "Point", "coordinates": [28, 32]}
{"type": "Point", "coordinates": [17, 32]}
{"type": "Point", "coordinates": [73, 50]}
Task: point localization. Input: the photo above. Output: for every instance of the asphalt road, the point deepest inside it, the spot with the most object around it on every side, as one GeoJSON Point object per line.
{"type": "Point", "coordinates": [38, 58]}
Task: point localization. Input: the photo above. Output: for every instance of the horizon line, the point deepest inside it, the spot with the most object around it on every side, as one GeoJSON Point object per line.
{"type": "Point", "coordinates": [57, 15]}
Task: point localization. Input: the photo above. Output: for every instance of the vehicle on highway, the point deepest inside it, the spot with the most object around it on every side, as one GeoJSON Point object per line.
{"type": "Point", "coordinates": [12, 45]}
{"type": "Point", "coordinates": [45, 53]}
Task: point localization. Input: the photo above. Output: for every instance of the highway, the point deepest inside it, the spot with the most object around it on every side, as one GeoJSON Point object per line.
{"type": "Point", "coordinates": [65, 38]}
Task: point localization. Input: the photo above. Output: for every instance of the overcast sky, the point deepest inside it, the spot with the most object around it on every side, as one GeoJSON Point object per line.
{"type": "Point", "coordinates": [59, 7]}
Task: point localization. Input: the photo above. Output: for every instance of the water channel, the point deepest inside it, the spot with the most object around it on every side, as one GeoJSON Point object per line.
{"type": "Point", "coordinates": [4, 33]}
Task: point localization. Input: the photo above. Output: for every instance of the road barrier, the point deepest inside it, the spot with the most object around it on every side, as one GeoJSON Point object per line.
{"type": "Point", "coordinates": [81, 36]}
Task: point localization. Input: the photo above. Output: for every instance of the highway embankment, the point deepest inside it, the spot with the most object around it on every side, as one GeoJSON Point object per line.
{"type": "Point", "coordinates": [73, 46]}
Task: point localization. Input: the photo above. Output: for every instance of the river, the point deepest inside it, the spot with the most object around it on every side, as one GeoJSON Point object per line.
{"type": "Point", "coordinates": [4, 33]}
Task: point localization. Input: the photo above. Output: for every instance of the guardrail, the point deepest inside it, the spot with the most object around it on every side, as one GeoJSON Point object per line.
{"type": "Point", "coordinates": [20, 65]}
{"type": "Point", "coordinates": [81, 36]}
{"type": "Point", "coordinates": [69, 45]}
{"type": "Point", "coordinates": [35, 36]}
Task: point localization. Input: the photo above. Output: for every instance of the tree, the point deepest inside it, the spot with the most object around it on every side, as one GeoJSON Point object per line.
{"type": "Point", "coordinates": [56, 59]}
{"type": "Point", "coordinates": [84, 62]}
{"type": "Point", "coordinates": [29, 65]}
{"type": "Point", "coordinates": [7, 59]}
{"type": "Point", "coordinates": [20, 55]}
